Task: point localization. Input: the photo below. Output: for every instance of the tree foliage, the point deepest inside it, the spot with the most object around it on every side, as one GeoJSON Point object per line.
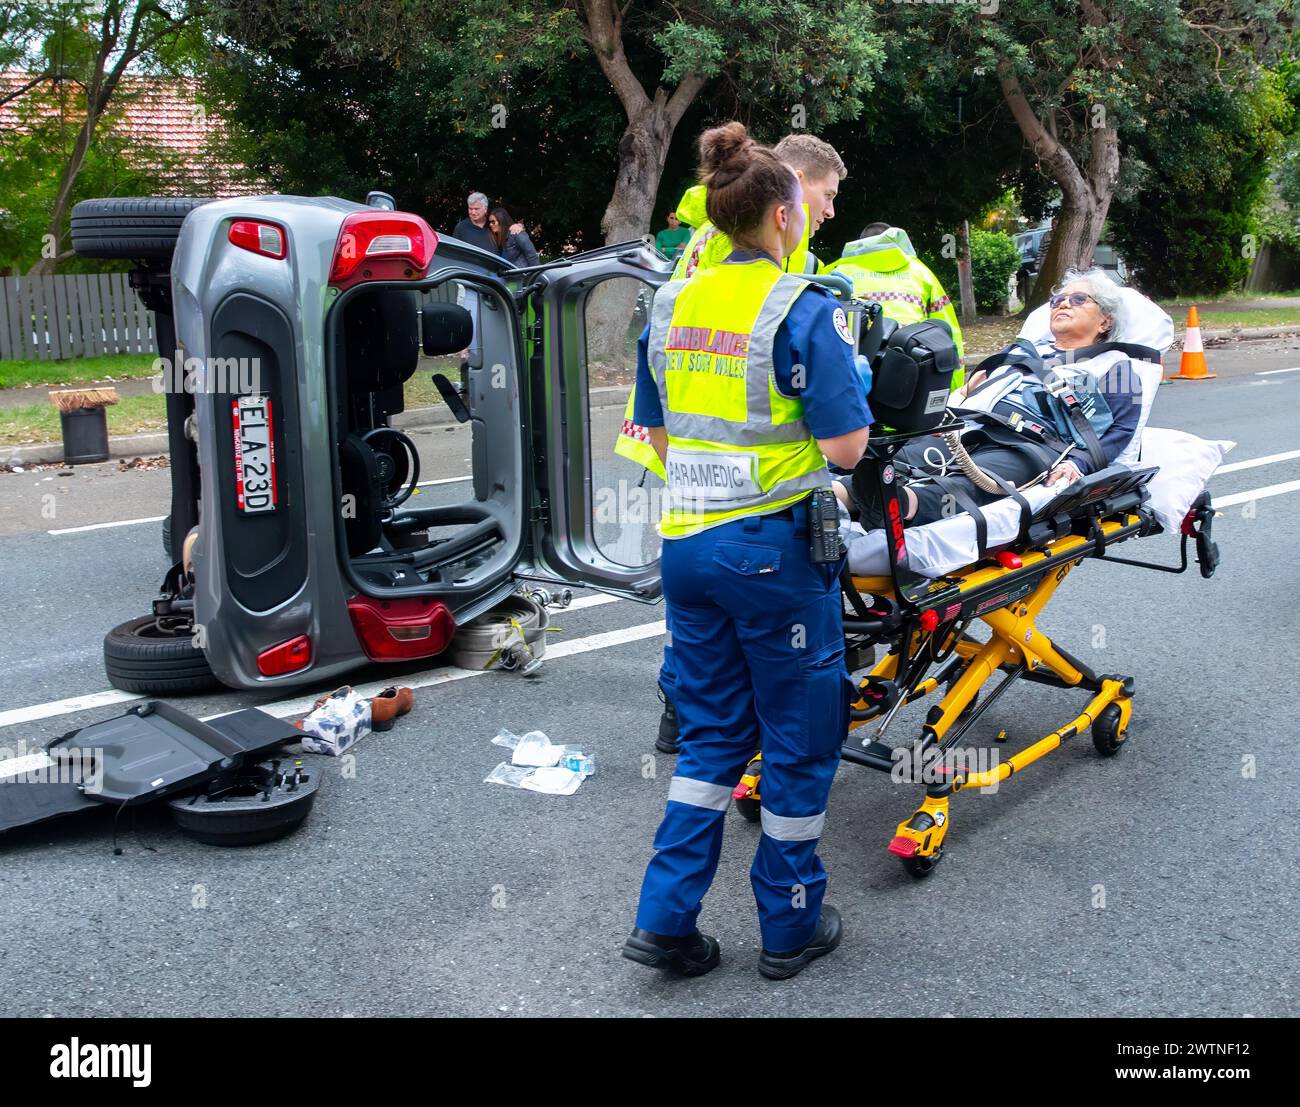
{"type": "Point", "coordinates": [1188, 220]}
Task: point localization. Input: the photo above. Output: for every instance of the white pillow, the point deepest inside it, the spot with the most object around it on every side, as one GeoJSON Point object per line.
{"type": "Point", "coordinates": [1186, 464]}
{"type": "Point", "coordinates": [1145, 322]}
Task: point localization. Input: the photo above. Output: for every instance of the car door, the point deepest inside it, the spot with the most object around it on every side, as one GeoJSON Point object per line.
{"type": "Point", "coordinates": [594, 513]}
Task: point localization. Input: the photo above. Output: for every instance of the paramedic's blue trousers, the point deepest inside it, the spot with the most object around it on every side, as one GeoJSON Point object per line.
{"type": "Point", "coordinates": [758, 650]}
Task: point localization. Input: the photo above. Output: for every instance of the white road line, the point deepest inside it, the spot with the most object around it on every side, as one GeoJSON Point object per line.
{"type": "Point", "coordinates": [554, 651]}
{"type": "Point", "coordinates": [1257, 494]}
{"type": "Point", "coordinates": [65, 707]}
{"type": "Point", "coordinates": [106, 526]}
{"type": "Point", "coordinates": [301, 705]}
{"type": "Point", "coordinates": [1254, 462]}
{"type": "Point", "coordinates": [584, 601]}
{"type": "Point", "coordinates": [1271, 459]}
{"type": "Point", "coordinates": [444, 480]}
{"type": "Point", "coordinates": [1274, 372]}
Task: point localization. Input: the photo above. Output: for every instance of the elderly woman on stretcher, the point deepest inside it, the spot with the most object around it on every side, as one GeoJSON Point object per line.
{"type": "Point", "coordinates": [1037, 412]}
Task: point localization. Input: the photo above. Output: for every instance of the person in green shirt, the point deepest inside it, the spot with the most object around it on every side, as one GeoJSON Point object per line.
{"type": "Point", "coordinates": [674, 238]}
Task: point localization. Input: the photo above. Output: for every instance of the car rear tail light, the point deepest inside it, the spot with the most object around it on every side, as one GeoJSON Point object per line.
{"type": "Point", "coordinates": [266, 239]}
{"type": "Point", "coordinates": [398, 630]}
{"type": "Point", "coordinates": [378, 245]}
{"type": "Point", "coordinates": [287, 657]}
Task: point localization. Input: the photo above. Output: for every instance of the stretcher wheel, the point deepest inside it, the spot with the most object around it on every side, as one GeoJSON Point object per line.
{"type": "Point", "coordinates": [921, 867]}
{"type": "Point", "coordinates": [1106, 734]}
{"type": "Point", "coordinates": [751, 809]}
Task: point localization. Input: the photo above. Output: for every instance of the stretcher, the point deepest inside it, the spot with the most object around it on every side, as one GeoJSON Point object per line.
{"type": "Point", "coordinates": [924, 625]}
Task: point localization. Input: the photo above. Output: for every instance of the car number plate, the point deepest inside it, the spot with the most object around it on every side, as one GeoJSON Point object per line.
{"type": "Point", "coordinates": [254, 454]}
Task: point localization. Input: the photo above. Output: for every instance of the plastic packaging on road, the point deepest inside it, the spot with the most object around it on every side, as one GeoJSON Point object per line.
{"type": "Point", "coordinates": [539, 765]}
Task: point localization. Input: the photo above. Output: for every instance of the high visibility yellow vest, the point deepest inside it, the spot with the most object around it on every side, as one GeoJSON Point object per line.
{"type": "Point", "coordinates": [707, 247]}
{"type": "Point", "coordinates": [904, 287]}
{"type": "Point", "coordinates": [736, 445]}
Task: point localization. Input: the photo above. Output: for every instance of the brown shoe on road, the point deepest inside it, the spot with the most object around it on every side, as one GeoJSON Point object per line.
{"type": "Point", "coordinates": [386, 707]}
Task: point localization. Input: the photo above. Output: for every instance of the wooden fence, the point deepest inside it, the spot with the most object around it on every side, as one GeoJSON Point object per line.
{"type": "Point", "coordinates": [73, 315]}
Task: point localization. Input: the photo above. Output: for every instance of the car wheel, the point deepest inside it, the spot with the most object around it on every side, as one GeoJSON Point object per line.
{"type": "Point", "coordinates": [264, 802]}
{"type": "Point", "coordinates": [157, 656]}
{"type": "Point", "coordinates": [131, 227]}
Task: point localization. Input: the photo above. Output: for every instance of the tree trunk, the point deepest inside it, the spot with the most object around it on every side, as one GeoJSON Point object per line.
{"type": "Point", "coordinates": [965, 287]}
{"type": "Point", "coordinates": [1085, 200]}
{"type": "Point", "coordinates": [63, 197]}
{"type": "Point", "coordinates": [641, 154]}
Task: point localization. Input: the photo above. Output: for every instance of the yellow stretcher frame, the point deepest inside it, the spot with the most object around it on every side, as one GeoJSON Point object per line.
{"type": "Point", "coordinates": [1015, 641]}
{"type": "Point", "coordinates": [926, 624]}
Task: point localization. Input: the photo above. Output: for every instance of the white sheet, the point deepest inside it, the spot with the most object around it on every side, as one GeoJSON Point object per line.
{"type": "Point", "coordinates": [1186, 463]}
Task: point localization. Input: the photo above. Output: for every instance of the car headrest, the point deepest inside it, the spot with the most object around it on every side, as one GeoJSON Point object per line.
{"type": "Point", "coordinates": [381, 330]}
{"type": "Point", "coordinates": [448, 329]}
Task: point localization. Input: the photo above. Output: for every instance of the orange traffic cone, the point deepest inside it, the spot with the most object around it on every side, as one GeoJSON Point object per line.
{"type": "Point", "coordinates": [1193, 367]}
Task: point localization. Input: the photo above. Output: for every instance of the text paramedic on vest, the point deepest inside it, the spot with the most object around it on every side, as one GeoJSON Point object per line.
{"type": "Point", "coordinates": [883, 266]}
{"type": "Point", "coordinates": [819, 169]}
{"type": "Point", "coordinates": [747, 384]}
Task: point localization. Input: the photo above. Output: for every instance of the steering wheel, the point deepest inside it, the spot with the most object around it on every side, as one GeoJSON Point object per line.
{"type": "Point", "coordinates": [398, 462]}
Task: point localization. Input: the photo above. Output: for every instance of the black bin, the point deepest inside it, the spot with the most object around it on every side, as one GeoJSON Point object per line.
{"type": "Point", "coordinates": [85, 435]}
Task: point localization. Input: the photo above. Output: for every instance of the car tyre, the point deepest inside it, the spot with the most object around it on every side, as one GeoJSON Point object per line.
{"type": "Point", "coordinates": [157, 657]}
{"type": "Point", "coordinates": [258, 806]}
{"type": "Point", "coordinates": [137, 227]}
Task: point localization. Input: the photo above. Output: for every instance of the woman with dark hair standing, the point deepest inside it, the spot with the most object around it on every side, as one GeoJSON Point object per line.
{"type": "Point", "coordinates": [512, 240]}
{"type": "Point", "coordinates": [746, 381]}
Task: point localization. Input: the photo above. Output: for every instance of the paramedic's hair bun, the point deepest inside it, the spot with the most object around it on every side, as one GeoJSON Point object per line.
{"type": "Point", "coordinates": [743, 179]}
{"type": "Point", "coordinates": [725, 154]}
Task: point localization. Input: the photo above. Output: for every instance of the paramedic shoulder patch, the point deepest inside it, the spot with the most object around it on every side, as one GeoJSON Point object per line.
{"type": "Point", "coordinates": [842, 326]}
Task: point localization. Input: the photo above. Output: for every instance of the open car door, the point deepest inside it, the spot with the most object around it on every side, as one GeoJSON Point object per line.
{"type": "Point", "coordinates": [594, 513]}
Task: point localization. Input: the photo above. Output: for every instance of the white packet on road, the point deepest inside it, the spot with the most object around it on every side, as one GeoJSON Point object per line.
{"type": "Point", "coordinates": [550, 781]}
{"type": "Point", "coordinates": [553, 781]}
{"type": "Point", "coordinates": [536, 750]}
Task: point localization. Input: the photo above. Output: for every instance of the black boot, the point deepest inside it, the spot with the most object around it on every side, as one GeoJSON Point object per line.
{"type": "Point", "coordinates": [668, 741]}
{"type": "Point", "coordinates": [782, 966]}
{"type": "Point", "coordinates": [693, 955]}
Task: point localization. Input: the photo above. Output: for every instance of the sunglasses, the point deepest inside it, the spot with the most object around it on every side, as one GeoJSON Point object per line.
{"type": "Point", "coordinates": [1076, 299]}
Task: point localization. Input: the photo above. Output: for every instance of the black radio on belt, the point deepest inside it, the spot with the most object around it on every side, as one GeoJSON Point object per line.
{"type": "Point", "coordinates": [824, 527]}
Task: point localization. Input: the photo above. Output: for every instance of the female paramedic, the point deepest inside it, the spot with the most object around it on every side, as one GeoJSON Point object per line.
{"type": "Point", "coordinates": [746, 379]}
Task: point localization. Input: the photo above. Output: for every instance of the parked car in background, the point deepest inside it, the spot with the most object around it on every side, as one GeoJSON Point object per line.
{"type": "Point", "coordinates": [1033, 248]}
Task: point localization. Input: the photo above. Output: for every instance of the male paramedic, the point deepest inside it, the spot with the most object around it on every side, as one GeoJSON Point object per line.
{"type": "Point", "coordinates": [747, 385]}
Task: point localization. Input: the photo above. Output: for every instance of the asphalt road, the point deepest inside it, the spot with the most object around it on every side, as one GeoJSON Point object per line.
{"type": "Point", "coordinates": [1160, 882]}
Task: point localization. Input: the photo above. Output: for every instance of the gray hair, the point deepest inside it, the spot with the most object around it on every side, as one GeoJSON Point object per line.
{"type": "Point", "coordinates": [476, 199]}
{"type": "Point", "coordinates": [1109, 296]}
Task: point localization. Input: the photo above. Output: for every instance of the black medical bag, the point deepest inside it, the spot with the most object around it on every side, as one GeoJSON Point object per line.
{"type": "Point", "coordinates": [912, 370]}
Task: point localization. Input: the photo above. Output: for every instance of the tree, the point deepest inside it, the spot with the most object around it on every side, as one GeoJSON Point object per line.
{"type": "Point", "coordinates": [1188, 221]}
{"type": "Point", "coordinates": [78, 51]}
{"type": "Point", "coordinates": [1075, 76]}
{"type": "Point", "coordinates": [806, 63]}
{"type": "Point", "coordinates": [74, 56]}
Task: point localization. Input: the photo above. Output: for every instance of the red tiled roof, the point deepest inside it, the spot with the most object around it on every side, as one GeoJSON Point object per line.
{"type": "Point", "coordinates": [165, 114]}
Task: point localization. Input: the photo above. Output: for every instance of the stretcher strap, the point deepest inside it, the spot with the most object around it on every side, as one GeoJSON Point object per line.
{"type": "Point", "coordinates": [855, 598]}
{"type": "Point", "coordinates": [963, 499]}
{"type": "Point", "coordinates": [1026, 512]}
{"type": "Point", "coordinates": [1077, 418]}
{"type": "Point", "coordinates": [1000, 432]}
{"type": "Point", "coordinates": [1024, 355]}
